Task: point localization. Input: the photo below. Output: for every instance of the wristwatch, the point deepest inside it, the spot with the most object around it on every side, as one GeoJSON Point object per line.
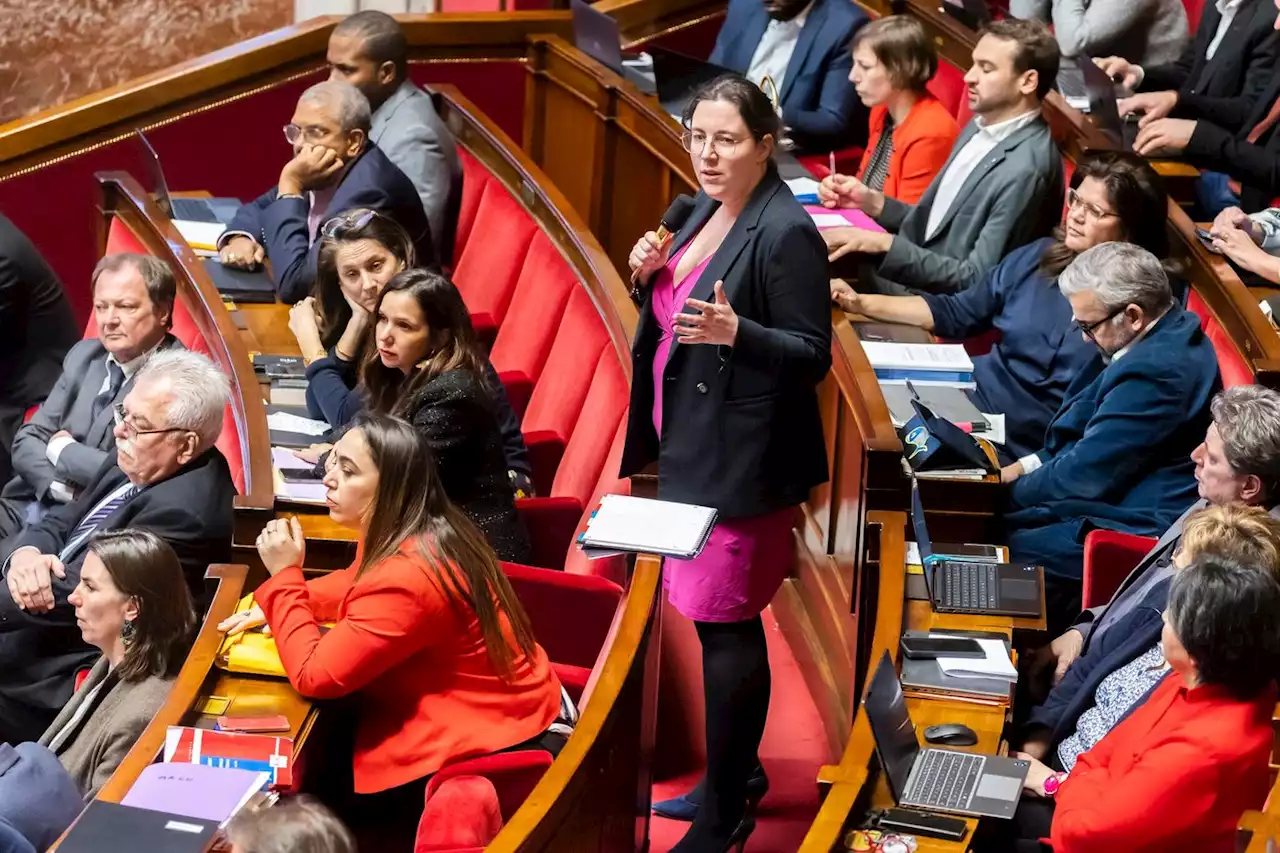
{"type": "Point", "coordinates": [1053, 783]}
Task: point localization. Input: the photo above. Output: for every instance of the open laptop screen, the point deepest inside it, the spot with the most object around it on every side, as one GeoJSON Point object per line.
{"type": "Point", "coordinates": [917, 521]}
{"type": "Point", "coordinates": [596, 34]}
{"type": "Point", "coordinates": [895, 736]}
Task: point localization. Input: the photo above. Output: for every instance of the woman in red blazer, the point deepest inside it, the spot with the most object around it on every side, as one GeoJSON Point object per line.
{"type": "Point", "coordinates": [1178, 772]}
{"type": "Point", "coordinates": [911, 132]}
{"type": "Point", "coordinates": [440, 672]}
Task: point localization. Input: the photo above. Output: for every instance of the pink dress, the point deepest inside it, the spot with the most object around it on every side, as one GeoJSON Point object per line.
{"type": "Point", "coordinates": [745, 559]}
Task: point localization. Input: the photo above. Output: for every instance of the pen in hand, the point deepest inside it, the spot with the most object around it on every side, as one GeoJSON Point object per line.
{"type": "Point", "coordinates": [831, 160]}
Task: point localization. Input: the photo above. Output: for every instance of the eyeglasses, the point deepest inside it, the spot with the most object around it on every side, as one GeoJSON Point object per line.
{"type": "Point", "coordinates": [311, 133]}
{"type": "Point", "coordinates": [351, 220]}
{"type": "Point", "coordinates": [121, 418]}
{"type": "Point", "coordinates": [1091, 211]}
{"type": "Point", "coordinates": [696, 142]}
{"type": "Point", "coordinates": [1090, 328]}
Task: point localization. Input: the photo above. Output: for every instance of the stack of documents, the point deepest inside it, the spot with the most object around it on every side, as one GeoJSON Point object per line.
{"type": "Point", "coordinates": [627, 524]}
{"type": "Point", "coordinates": [200, 236]}
{"type": "Point", "coordinates": [996, 664]}
{"type": "Point", "coordinates": [921, 363]}
{"type": "Point", "coordinates": [982, 681]}
{"type": "Point", "coordinates": [195, 790]}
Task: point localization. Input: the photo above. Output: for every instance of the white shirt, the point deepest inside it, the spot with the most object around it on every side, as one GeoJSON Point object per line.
{"type": "Point", "coordinates": [773, 54]}
{"type": "Point", "coordinates": [966, 160]}
{"type": "Point", "coordinates": [1227, 9]}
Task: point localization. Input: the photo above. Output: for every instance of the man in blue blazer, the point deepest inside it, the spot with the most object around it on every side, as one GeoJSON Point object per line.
{"type": "Point", "coordinates": [1117, 455]}
{"type": "Point", "coordinates": [805, 49]}
{"type": "Point", "coordinates": [335, 168]}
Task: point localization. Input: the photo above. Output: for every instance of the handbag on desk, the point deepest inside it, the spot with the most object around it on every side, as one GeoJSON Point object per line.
{"type": "Point", "coordinates": [252, 652]}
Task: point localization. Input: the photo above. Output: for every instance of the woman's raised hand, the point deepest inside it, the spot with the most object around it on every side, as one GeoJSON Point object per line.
{"type": "Point", "coordinates": [648, 256]}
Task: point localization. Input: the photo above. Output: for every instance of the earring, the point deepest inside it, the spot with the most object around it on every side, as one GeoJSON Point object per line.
{"type": "Point", "coordinates": [127, 631]}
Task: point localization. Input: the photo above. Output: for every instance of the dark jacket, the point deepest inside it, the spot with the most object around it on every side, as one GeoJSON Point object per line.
{"type": "Point", "coordinates": [1255, 165]}
{"type": "Point", "coordinates": [456, 413]}
{"type": "Point", "coordinates": [332, 396]}
{"type": "Point", "coordinates": [36, 330]}
{"type": "Point", "coordinates": [819, 104]}
{"type": "Point", "coordinates": [1040, 351]}
{"type": "Point", "coordinates": [741, 431]}
{"type": "Point", "coordinates": [1226, 89]}
{"type": "Point", "coordinates": [1124, 642]}
{"type": "Point", "coordinates": [280, 225]}
{"type": "Point", "coordinates": [1117, 453]}
{"type": "Point", "coordinates": [38, 798]}
{"type": "Point", "coordinates": [40, 653]}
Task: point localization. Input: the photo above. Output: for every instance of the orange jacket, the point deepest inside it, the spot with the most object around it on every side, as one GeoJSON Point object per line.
{"type": "Point", "coordinates": [921, 146]}
{"type": "Point", "coordinates": [428, 693]}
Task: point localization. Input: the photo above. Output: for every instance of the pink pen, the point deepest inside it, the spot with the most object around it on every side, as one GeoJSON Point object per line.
{"type": "Point", "coordinates": [832, 162]}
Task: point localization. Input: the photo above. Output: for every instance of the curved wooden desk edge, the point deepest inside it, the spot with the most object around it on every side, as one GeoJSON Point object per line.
{"type": "Point", "coordinates": [853, 371]}
{"type": "Point", "coordinates": [555, 216]}
{"type": "Point", "coordinates": [640, 21]}
{"type": "Point", "coordinates": [123, 198]}
{"type": "Point", "coordinates": [188, 686]}
{"type": "Point", "coordinates": [569, 776]}
{"type": "Point", "coordinates": [848, 779]}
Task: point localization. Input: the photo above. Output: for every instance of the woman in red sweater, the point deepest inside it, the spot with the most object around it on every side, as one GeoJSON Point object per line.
{"type": "Point", "coordinates": [911, 132]}
{"type": "Point", "coordinates": [1178, 772]}
{"type": "Point", "coordinates": [428, 636]}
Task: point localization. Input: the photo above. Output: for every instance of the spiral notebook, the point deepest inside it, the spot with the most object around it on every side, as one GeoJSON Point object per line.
{"type": "Point", "coordinates": [624, 523]}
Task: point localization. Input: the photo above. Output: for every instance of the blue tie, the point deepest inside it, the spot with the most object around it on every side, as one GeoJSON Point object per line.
{"type": "Point", "coordinates": [90, 522]}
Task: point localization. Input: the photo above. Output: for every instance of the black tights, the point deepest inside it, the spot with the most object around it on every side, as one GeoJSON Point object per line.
{"type": "Point", "coordinates": [736, 683]}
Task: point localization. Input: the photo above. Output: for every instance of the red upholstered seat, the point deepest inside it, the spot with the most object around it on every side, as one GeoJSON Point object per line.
{"type": "Point", "coordinates": [1231, 364]}
{"type": "Point", "coordinates": [948, 86]}
{"type": "Point", "coordinates": [548, 596]}
{"type": "Point", "coordinates": [614, 568]}
{"type": "Point", "coordinates": [121, 239]}
{"type": "Point", "coordinates": [487, 269]}
{"type": "Point", "coordinates": [461, 813]}
{"type": "Point", "coordinates": [474, 179]}
{"type": "Point", "coordinates": [1109, 556]}
{"type": "Point", "coordinates": [512, 774]}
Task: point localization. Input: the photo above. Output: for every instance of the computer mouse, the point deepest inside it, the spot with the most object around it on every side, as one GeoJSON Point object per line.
{"type": "Point", "coordinates": [951, 734]}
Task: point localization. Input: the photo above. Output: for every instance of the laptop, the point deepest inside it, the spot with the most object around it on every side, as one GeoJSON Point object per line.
{"type": "Point", "coordinates": [974, 14]}
{"type": "Point", "coordinates": [597, 35]}
{"type": "Point", "coordinates": [940, 780]}
{"type": "Point", "coordinates": [210, 210]}
{"type": "Point", "coordinates": [1101, 92]}
{"type": "Point", "coordinates": [965, 585]}
{"type": "Point", "coordinates": [677, 75]}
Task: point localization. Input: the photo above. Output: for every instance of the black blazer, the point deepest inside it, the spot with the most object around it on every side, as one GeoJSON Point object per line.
{"type": "Point", "coordinates": [458, 416]}
{"type": "Point", "coordinates": [280, 225]}
{"type": "Point", "coordinates": [1256, 166]}
{"type": "Point", "coordinates": [741, 429]}
{"type": "Point", "coordinates": [1226, 89]}
{"type": "Point", "coordinates": [40, 653]}
{"type": "Point", "coordinates": [36, 330]}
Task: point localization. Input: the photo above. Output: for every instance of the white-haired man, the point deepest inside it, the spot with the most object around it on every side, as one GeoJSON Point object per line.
{"type": "Point", "coordinates": [164, 475]}
{"type": "Point", "coordinates": [335, 168]}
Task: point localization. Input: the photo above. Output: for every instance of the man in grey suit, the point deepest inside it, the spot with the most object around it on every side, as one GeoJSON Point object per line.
{"type": "Point", "coordinates": [369, 51]}
{"type": "Point", "coordinates": [58, 451]}
{"type": "Point", "coordinates": [1001, 188]}
{"type": "Point", "coordinates": [1239, 462]}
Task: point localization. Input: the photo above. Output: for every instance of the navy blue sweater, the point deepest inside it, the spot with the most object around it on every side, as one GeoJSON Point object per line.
{"type": "Point", "coordinates": [1118, 646]}
{"type": "Point", "coordinates": [333, 398]}
{"type": "Point", "coordinates": [1026, 374]}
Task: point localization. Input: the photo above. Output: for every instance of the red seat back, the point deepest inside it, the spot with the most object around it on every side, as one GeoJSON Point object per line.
{"type": "Point", "coordinates": [487, 269]}
{"type": "Point", "coordinates": [614, 568]}
{"type": "Point", "coordinates": [460, 813]}
{"type": "Point", "coordinates": [548, 595]}
{"type": "Point", "coordinates": [1109, 556]}
{"type": "Point", "coordinates": [121, 239]}
{"type": "Point", "coordinates": [1231, 364]}
{"type": "Point", "coordinates": [512, 774]}
{"type": "Point", "coordinates": [948, 86]}
{"type": "Point", "coordinates": [474, 179]}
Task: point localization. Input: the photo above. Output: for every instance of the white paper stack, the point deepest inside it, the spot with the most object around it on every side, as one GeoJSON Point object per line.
{"type": "Point", "coordinates": [996, 664]}
{"type": "Point", "coordinates": [624, 523]}
{"type": "Point", "coordinates": [919, 362]}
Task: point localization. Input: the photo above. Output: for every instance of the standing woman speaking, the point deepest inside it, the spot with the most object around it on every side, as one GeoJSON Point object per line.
{"type": "Point", "coordinates": [734, 335]}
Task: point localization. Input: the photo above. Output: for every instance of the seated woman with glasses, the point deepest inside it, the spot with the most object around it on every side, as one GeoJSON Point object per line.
{"type": "Point", "coordinates": [131, 603]}
{"type": "Point", "coordinates": [428, 634]}
{"type": "Point", "coordinates": [1177, 771]}
{"type": "Point", "coordinates": [1026, 373]}
{"type": "Point", "coordinates": [360, 251]}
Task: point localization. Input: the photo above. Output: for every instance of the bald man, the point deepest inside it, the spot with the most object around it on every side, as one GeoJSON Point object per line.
{"type": "Point", "coordinates": [335, 168]}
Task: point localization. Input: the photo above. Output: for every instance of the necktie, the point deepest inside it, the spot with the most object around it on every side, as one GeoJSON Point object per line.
{"type": "Point", "coordinates": [115, 381]}
{"type": "Point", "coordinates": [1257, 133]}
{"type": "Point", "coordinates": [91, 521]}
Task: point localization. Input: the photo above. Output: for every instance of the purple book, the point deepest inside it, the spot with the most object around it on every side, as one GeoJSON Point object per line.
{"type": "Point", "coordinates": [194, 790]}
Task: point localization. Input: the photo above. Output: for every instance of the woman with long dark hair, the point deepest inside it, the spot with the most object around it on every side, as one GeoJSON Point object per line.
{"type": "Point", "coordinates": [427, 630]}
{"type": "Point", "coordinates": [1115, 196]}
{"type": "Point", "coordinates": [360, 252]}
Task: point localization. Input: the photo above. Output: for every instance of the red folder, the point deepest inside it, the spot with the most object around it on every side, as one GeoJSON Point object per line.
{"type": "Point", "coordinates": [262, 753]}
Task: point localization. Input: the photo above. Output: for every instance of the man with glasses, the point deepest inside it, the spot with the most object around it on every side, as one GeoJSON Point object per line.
{"type": "Point", "coordinates": [64, 444]}
{"type": "Point", "coordinates": [335, 168]}
{"type": "Point", "coordinates": [1118, 453]}
{"type": "Point", "coordinates": [166, 476]}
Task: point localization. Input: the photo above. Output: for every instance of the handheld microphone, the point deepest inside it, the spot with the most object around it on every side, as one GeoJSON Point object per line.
{"type": "Point", "coordinates": [672, 221]}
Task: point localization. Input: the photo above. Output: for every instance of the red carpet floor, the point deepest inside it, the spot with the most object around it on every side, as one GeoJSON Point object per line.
{"type": "Point", "coordinates": [792, 752]}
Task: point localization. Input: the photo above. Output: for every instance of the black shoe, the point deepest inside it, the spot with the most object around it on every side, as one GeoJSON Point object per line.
{"type": "Point", "coordinates": [685, 806]}
{"type": "Point", "coordinates": [706, 842]}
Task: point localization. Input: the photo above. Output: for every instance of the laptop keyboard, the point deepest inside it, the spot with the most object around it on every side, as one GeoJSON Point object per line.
{"type": "Point", "coordinates": [192, 210]}
{"type": "Point", "coordinates": [945, 779]}
{"type": "Point", "coordinates": [971, 586]}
